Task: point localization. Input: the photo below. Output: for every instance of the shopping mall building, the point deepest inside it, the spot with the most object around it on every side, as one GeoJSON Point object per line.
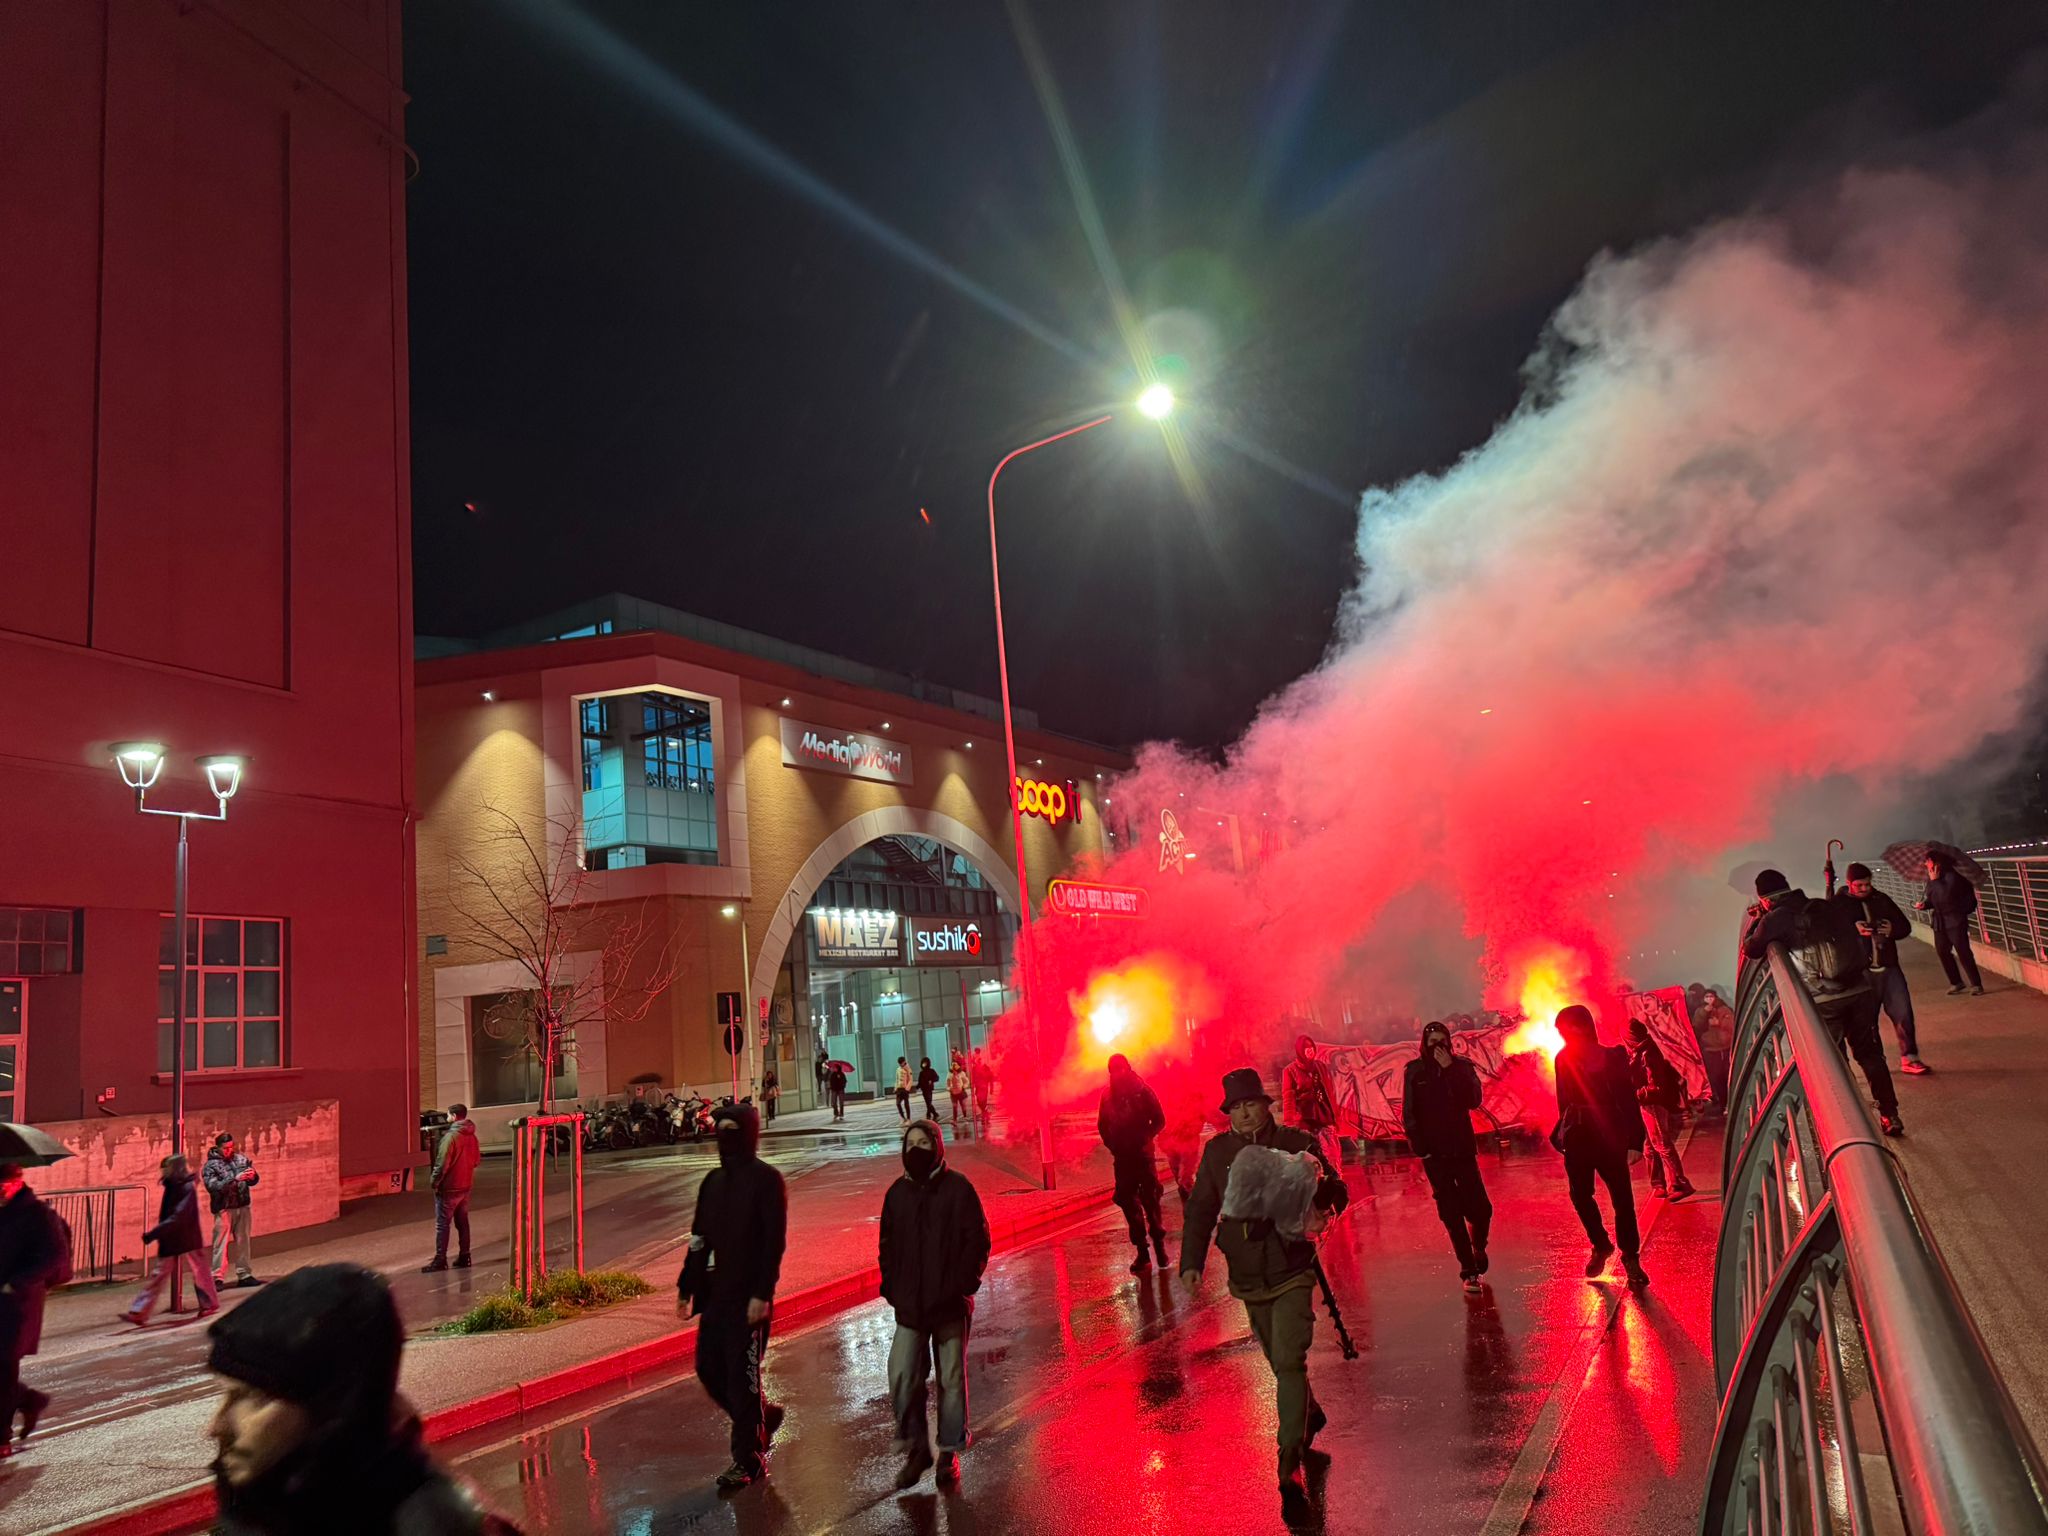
{"type": "Point", "coordinates": [716, 813]}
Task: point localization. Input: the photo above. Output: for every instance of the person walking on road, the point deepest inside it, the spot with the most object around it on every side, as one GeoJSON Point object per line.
{"type": "Point", "coordinates": [1950, 903]}
{"type": "Point", "coordinates": [1600, 1134]}
{"type": "Point", "coordinates": [179, 1242]}
{"type": "Point", "coordinates": [927, 1080]}
{"type": "Point", "coordinates": [312, 1436]}
{"type": "Point", "coordinates": [981, 1079]}
{"type": "Point", "coordinates": [1271, 1275]}
{"type": "Point", "coordinates": [454, 1175]}
{"type": "Point", "coordinates": [956, 1090]}
{"type": "Point", "coordinates": [1128, 1121]}
{"type": "Point", "coordinates": [935, 1246]}
{"type": "Point", "coordinates": [1308, 1098]}
{"type": "Point", "coordinates": [835, 1089]}
{"type": "Point", "coordinates": [903, 1084]}
{"type": "Point", "coordinates": [34, 1253]}
{"type": "Point", "coordinates": [229, 1177]}
{"type": "Point", "coordinates": [1439, 1091]}
{"type": "Point", "coordinates": [1717, 1043]}
{"type": "Point", "coordinates": [1660, 1093]}
{"type": "Point", "coordinates": [1882, 924]}
{"type": "Point", "coordinates": [1833, 959]}
{"type": "Point", "coordinates": [737, 1238]}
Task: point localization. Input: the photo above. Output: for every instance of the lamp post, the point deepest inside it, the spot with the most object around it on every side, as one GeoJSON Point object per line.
{"type": "Point", "coordinates": [738, 910]}
{"type": "Point", "coordinates": [140, 762]}
{"type": "Point", "coordinates": [1155, 402]}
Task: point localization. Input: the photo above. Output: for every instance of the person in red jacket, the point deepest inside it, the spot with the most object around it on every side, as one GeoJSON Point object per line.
{"type": "Point", "coordinates": [1308, 1099]}
{"type": "Point", "coordinates": [454, 1175]}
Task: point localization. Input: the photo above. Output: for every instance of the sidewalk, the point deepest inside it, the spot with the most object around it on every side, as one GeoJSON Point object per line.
{"type": "Point", "coordinates": [128, 1425]}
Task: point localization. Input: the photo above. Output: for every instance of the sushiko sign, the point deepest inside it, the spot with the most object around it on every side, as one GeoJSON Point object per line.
{"type": "Point", "coordinates": [852, 753]}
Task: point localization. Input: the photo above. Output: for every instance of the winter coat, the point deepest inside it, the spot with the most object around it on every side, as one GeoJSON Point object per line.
{"type": "Point", "coordinates": [226, 1189]}
{"type": "Point", "coordinates": [1129, 1117]}
{"type": "Point", "coordinates": [1655, 1080]}
{"type": "Point", "coordinates": [1950, 902]}
{"type": "Point", "coordinates": [1596, 1102]}
{"type": "Point", "coordinates": [177, 1228]}
{"type": "Point", "coordinates": [1307, 1098]}
{"type": "Point", "coordinates": [1437, 1104]}
{"type": "Point", "coordinates": [935, 1243]}
{"type": "Point", "coordinates": [742, 1216]}
{"type": "Point", "coordinates": [1813, 932]}
{"type": "Point", "coordinates": [455, 1159]}
{"type": "Point", "coordinates": [1717, 1027]}
{"type": "Point", "coordinates": [28, 1257]}
{"type": "Point", "coordinates": [1874, 909]}
{"type": "Point", "coordinates": [1260, 1260]}
{"type": "Point", "coordinates": [927, 1079]}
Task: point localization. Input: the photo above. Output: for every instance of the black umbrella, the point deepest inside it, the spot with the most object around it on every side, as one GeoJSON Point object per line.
{"type": "Point", "coordinates": [1910, 860]}
{"type": "Point", "coordinates": [29, 1147]}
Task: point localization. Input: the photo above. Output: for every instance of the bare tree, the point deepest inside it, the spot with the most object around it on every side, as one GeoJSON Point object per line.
{"type": "Point", "coordinates": [529, 902]}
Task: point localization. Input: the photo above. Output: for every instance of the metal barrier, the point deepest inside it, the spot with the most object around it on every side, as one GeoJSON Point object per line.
{"type": "Point", "coordinates": [89, 1212]}
{"type": "Point", "coordinates": [1831, 1300]}
{"type": "Point", "coordinates": [2012, 904]}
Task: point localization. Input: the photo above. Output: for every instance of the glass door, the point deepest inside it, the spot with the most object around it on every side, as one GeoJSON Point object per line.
{"type": "Point", "coordinates": [13, 1048]}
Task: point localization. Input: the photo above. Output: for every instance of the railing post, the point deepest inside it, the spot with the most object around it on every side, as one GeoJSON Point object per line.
{"type": "Point", "coordinates": [2027, 904]}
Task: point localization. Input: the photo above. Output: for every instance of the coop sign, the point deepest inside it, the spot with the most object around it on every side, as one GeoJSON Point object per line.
{"type": "Point", "coordinates": [853, 753]}
{"type": "Point", "coordinates": [856, 934]}
{"type": "Point", "coordinates": [1053, 803]}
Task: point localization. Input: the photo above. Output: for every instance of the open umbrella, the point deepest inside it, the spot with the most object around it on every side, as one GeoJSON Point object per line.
{"type": "Point", "coordinates": [1910, 860]}
{"type": "Point", "coordinates": [1743, 877]}
{"type": "Point", "coordinates": [29, 1147]}
{"type": "Point", "coordinates": [844, 1066]}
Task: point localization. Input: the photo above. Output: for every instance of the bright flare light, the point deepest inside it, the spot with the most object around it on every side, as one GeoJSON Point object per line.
{"type": "Point", "coordinates": [1108, 1021]}
{"type": "Point", "coordinates": [1156, 401]}
{"type": "Point", "coordinates": [1552, 979]}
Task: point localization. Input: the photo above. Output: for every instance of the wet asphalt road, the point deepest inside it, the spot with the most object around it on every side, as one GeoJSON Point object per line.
{"type": "Point", "coordinates": [1101, 1402]}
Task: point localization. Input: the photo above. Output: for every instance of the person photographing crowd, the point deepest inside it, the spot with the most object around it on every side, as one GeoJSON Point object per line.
{"type": "Point", "coordinates": [1882, 925]}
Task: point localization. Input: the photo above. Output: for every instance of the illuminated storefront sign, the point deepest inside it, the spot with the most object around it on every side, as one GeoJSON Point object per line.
{"type": "Point", "coordinates": [1084, 898]}
{"type": "Point", "coordinates": [936, 940]}
{"type": "Point", "coordinates": [851, 935]}
{"type": "Point", "coordinates": [1054, 803]}
{"type": "Point", "coordinates": [852, 753]}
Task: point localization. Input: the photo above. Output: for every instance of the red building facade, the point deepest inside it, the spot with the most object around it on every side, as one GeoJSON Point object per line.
{"type": "Point", "coordinates": [204, 541]}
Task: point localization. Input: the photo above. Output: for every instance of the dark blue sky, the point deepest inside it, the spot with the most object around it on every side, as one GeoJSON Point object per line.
{"type": "Point", "coordinates": [653, 366]}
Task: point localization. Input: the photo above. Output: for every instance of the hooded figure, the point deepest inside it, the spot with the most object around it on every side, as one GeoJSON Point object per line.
{"type": "Point", "coordinates": [1439, 1092]}
{"type": "Point", "coordinates": [31, 1256]}
{"type": "Point", "coordinates": [1128, 1122]}
{"type": "Point", "coordinates": [935, 1245]}
{"type": "Point", "coordinates": [1660, 1094]}
{"type": "Point", "coordinates": [313, 1437]}
{"type": "Point", "coordinates": [1600, 1135]}
{"type": "Point", "coordinates": [737, 1237]}
{"type": "Point", "coordinates": [1308, 1098]}
{"type": "Point", "coordinates": [179, 1241]}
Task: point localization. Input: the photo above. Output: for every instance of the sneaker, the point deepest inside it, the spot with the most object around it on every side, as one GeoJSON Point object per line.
{"type": "Point", "coordinates": [736, 1476]}
{"type": "Point", "coordinates": [246, 1281]}
{"type": "Point", "coordinates": [1978, 990]}
{"type": "Point", "coordinates": [1912, 1066]}
{"type": "Point", "coordinates": [1596, 1261]}
{"type": "Point", "coordinates": [1658, 1192]}
{"type": "Point", "coordinates": [434, 1268]}
{"type": "Point", "coordinates": [1159, 1248]}
{"type": "Point", "coordinates": [1318, 1421]}
{"type": "Point", "coordinates": [771, 1421]}
{"type": "Point", "coordinates": [915, 1465]}
{"type": "Point", "coordinates": [1638, 1277]}
{"type": "Point", "coordinates": [949, 1468]}
{"type": "Point", "coordinates": [1472, 1285]}
{"type": "Point", "coordinates": [461, 1263]}
{"type": "Point", "coordinates": [32, 1405]}
{"type": "Point", "coordinates": [1480, 1262]}
{"type": "Point", "coordinates": [1957, 990]}
{"type": "Point", "coordinates": [1681, 1189]}
{"type": "Point", "coordinates": [1891, 1125]}
{"type": "Point", "coordinates": [1295, 1508]}
{"type": "Point", "coordinates": [1142, 1264]}
{"type": "Point", "coordinates": [205, 1312]}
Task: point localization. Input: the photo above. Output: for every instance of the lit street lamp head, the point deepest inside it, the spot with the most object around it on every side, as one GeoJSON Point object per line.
{"type": "Point", "coordinates": [223, 775]}
{"type": "Point", "coordinates": [139, 761]}
{"type": "Point", "coordinates": [1156, 401]}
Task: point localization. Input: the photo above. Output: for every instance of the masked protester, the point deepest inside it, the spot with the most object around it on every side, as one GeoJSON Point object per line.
{"type": "Point", "coordinates": [1882, 925]}
{"type": "Point", "coordinates": [313, 1437]}
{"type": "Point", "coordinates": [1660, 1094]}
{"type": "Point", "coordinates": [1128, 1122]}
{"type": "Point", "coordinates": [1439, 1091]}
{"type": "Point", "coordinates": [935, 1245]}
{"type": "Point", "coordinates": [1272, 1276]}
{"type": "Point", "coordinates": [736, 1242]}
{"type": "Point", "coordinates": [1601, 1136]}
{"type": "Point", "coordinates": [1308, 1098]}
{"type": "Point", "coordinates": [34, 1252]}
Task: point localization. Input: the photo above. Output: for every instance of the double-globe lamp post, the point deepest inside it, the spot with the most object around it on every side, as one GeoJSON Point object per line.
{"type": "Point", "coordinates": [1156, 402]}
{"type": "Point", "coordinates": [140, 762]}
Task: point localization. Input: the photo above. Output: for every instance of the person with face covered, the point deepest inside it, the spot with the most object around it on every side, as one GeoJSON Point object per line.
{"type": "Point", "coordinates": [313, 1438]}
{"type": "Point", "coordinates": [934, 1250]}
{"type": "Point", "coordinates": [1308, 1098]}
{"type": "Point", "coordinates": [1601, 1135]}
{"type": "Point", "coordinates": [1439, 1091]}
{"type": "Point", "coordinates": [737, 1237]}
{"type": "Point", "coordinates": [1129, 1122]}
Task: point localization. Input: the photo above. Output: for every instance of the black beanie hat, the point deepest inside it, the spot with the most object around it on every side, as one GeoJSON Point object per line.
{"type": "Point", "coordinates": [326, 1337]}
{"type": "Point", "coordinates": [1770, 882]}
{"type": "Point", "coordinates": [1858, 872]}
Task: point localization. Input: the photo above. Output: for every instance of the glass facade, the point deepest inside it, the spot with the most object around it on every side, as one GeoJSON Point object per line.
{"type": "Point", "coordinates": [650, 793]}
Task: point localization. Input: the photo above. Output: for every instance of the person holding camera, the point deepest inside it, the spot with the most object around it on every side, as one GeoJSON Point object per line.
{"type": "Point", "coordinates": [1271, 1275]}
{"type": "Point", "coordinates": [1879, 920]}
{"type": "Point", "coordinates": [1439, 1091]}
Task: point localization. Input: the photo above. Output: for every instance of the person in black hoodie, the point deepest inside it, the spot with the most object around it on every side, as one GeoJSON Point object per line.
{"type": "Point", "coordinates": [312, 1436]}
{"type": "Point", "coordinates": [1949, 903]}
{"type": "Point", "coordinates": [29, 1259]}
{"type": "Point", "coordinates": [1660, 1095]}
{"type": "Point", "coordinates": [737, 1237]}
{"type": "Point", "coordinates": [1128, 1121]}
{"type": "Point", "coordinates": [935, 1245]}
{"type": "Point", "coordinates": [1439, 1091]}
{"type": "Point", "coordinates": [1879, 920]}
{"type": "Point", "coordinates": [178, 1240]}
{"type": "Point", "coordinates": [927, 1080]}
{"type": "Point", "coordinates": [1601, 1136]}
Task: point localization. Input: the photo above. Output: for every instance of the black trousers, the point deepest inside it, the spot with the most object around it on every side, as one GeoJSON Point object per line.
{"type": "Point", "coordinates": [1853, 1023]}
{"type": "Point", "coordinates": [1461, 1205]}
{"type": "Point", "coordinates": [1952, 946]}
{"type": "Point", "coordinates": [1610, 1165]}
{"type": "Point", "coordinates": [1137, 1194]}
{"type": "Point", "coordinates": [729, 1356]}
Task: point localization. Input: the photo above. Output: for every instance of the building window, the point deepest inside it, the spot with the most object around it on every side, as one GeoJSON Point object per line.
{"type": "Point", "coordinates": [597, 729]}
{"type": "Point", "coordinates": [649, 781]}
{"type": "Point", "coordinates": [234, 993]}
{"type": "Point", "coordinates": [504, 1066]}
{"type": "Point", "coordinates": [38, 941]}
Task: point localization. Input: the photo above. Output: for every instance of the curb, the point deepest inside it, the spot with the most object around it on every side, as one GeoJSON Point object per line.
{"type": "Point", "coordinates": [173, 1513]}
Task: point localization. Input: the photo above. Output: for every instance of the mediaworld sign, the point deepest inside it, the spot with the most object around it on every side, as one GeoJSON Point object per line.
{"type": "Point", "coordinates": [856, 936]}
{"type": "Point", "coordinates": [853, 753]}
{"type": "Point", "coordinates": [1085, 898]}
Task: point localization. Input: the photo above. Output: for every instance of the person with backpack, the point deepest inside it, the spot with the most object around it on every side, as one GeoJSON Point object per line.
{"type": "Point", "coordinates": [35, 1254]}
{"type": "Point", "coordinates": [1660, 1094]}
{"type": "Point", "coordinates": [1128, 1121]}
{"type": "Point", "coordinates": [1600, 1133]}
{"type": "Point", "coordinates": [1950, 903]}
{"type": "Point", "coordinates": [1882, 925]}
{"type": "Point", "coordinates": [1832, 958]}
{"type": "Point", "coordinates": [228, 1177]}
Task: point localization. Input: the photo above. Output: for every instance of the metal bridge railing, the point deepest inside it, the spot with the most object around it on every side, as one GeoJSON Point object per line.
{"type": "Point", "coordinates": [2012, 904]}
{"type": "Point", "coordinates": [1833, 1313]}
{"type": "Point", "coordinates": [89, 1212]}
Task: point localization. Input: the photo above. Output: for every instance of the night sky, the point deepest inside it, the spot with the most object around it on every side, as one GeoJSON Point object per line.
{"type": "Point", "coordinates": [679, 326]}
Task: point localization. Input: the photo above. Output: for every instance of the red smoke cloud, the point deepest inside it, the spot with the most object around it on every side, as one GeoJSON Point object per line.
{"type": "Point", "coordinates": [1771, 513]}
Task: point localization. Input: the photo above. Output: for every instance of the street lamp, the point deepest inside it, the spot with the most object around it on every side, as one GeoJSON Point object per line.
{"type": "Point", "coordinates": [1155, 402]}
{"type": "Point", "coordinates": [731, 909]}
{"type": "Point", "coordinates": [140, 762]}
